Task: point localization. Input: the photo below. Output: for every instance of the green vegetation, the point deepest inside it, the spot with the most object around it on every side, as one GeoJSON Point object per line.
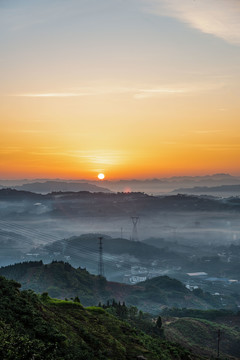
{"type": "Point", "coordinates": [154, 294]}
{"type": "Point", "coordinates": [199, 314]}
{"type": "Point", "coordinates": [39, 327]}
{"type": "Point", "coordinates": [61, 280]}
{"type": "Point", "coordinates": [200, 335]}
{"type": "Point", "coordinates": [135, 317]}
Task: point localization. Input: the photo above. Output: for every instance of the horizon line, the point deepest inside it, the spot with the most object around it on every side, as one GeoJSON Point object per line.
{"type": "Point", "coordinates": [119, 179]}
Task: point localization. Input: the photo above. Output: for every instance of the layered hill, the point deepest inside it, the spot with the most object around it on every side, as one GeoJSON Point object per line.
{"type": "Point", "coordinates": [120, 254]}
{"type": "Point", "coordinates": [62, 281]}
{"type": "Point", "coordinates": [55, 186]}
{"type": "Point", "coordinates": [85, 203]}
{"type": "Point", "coordinates": [151, 186]}
{"type": "Point", "coordinates": [79, 245]}
{"type": "Point", "coordinates": [223, 190]}
{"type": "Point", "coordinates": [38, 327]}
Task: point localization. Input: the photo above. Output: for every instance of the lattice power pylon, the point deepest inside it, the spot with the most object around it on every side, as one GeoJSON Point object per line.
{"type": "Point", "coordinates": [100, 261]}
{"type": "Point", "coordinates": [135, 220]}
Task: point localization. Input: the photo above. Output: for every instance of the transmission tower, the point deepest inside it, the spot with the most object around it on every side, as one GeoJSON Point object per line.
{"type": "Point", "coordinates": [134, 230]}
{"type": "Point", "coordinates": [100, 261]}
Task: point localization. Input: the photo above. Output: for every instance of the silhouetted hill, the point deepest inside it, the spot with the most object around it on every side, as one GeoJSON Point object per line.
{"type": "Point", "coordinates": [10, 195]}
{"type": "Point", "coordinates": [84, 203]}
{"type": "Point", "coordinates": [223, 190]}
{"type": "Point", "coordinates": [56, 186]}
{"type": "Point", "coordinates": [114, 246]}
{"type": "Point", "coordinates": [119, 254]}
{"type": "Point", "coordinates": [151, 186]}
{"type": "Point", "coordinates": [38, 327]}
{"type": "Point", "coordinates": [165, 185]}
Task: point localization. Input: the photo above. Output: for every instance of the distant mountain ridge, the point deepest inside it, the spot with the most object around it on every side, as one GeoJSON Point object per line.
{"type": "Point", "coordinates": [56, 186]}
{"type": "Point", "coordinates": [150, 186]}
{"type": "Point", "coordinates": [209, 189]}
{"type": "Point", "coordinates": [166, 185]}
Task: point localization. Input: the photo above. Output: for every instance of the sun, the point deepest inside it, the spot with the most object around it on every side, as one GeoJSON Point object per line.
{"type": "Point", "coordinates": [101, 176]}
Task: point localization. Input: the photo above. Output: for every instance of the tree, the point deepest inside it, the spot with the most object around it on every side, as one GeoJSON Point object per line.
{"type": "Point", "coordinates": [159, 322]}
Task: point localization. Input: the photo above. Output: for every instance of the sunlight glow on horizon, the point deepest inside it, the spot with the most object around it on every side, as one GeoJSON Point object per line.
{"type": "Point", "coordinates": [101, 176]}
{"type": "Point", "coordinates": [140, 89]}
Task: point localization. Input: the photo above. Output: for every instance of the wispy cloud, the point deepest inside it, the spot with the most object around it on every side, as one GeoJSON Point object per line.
{"type": "Point", "coordinates": [177, 90]}
{"type": "Point", "coordinates": [55, 94]}
{"type": "Point", "coordinates": [211, 146]}
{"type": "Point", "coordinates": [135, 92]}
{"type": "Point", "coordinates": [204, 132]}
{"type": "Point", "coordinates": [9, 150]}
{"type": "Point", "coordinates": [30, 131]}
{"type": "Point", "coordinates": [100, 157]}
{"type": "Point", "coordinates": [147, 93]}
{"type": "Point", "coordinates": [220, 18]}
{"type": "Point", "coordinates": [80, 92]}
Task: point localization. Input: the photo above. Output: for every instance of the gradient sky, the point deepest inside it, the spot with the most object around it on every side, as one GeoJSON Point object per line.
{"type": "Point", "coordinates": [131, 88]}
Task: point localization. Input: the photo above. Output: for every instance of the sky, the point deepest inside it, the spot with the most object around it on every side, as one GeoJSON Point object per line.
{"type": "Point", "coordinates": [128, 88]}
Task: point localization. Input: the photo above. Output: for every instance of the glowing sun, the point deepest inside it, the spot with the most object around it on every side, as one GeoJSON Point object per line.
{"type": "Point", "coordinates": [101, 176]}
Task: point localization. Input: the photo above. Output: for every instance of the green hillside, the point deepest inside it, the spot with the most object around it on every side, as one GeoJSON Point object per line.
{"type": "Point", "coordinates": [41, 328]}
{"type": "Point", "coordinates": [62, 281]}
{"type": "Point", "coordinates": [59, 279]}
{"type": "Point", "coordinates": [200, 335]}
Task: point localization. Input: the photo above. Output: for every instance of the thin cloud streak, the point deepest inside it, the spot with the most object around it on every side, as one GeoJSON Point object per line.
{"type": "Point", "coordinates": [185, 89]}
{"type": "Point", "coordinates": [135, 92]}
{"type": "Point", "coordinates": [148, 93]}
{"type": "Point", "coordinates": [220, 18]}
{"type": "Point", "coordinates": [203, 132]}
{"type": "Point", "coordinates": [10, 150]}
{"type": "Point", "coordinates": [101, 157]}
{"type": "Point", "coordinates": [53, 95]}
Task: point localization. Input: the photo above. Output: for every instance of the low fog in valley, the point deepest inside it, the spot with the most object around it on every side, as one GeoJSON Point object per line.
{"type": "Point", "coordinates": [193, 238]}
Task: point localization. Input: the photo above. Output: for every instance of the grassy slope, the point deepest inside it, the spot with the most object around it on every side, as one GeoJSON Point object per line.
{"type": "Point", "coordinates": [200, 335]}
{"type": "Point", "coordinates": [46, 329]}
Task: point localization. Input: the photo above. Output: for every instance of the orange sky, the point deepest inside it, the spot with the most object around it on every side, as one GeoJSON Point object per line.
{"type": "Point", "coordinates": [82, 94]}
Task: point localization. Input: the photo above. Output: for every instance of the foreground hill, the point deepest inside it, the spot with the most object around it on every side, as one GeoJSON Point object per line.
{"type": "Point", "coordinates": [62, 281]}
{"type": "Point", "coordinates": [38, 327]}
{"type": "Point", "coordinates": [197, 330]}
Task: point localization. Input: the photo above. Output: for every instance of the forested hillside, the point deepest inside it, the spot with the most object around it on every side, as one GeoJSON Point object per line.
{"type": "Point", "coordinates": [39, 327]}
{"type": "Point", "coordinates": [61, 280]}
